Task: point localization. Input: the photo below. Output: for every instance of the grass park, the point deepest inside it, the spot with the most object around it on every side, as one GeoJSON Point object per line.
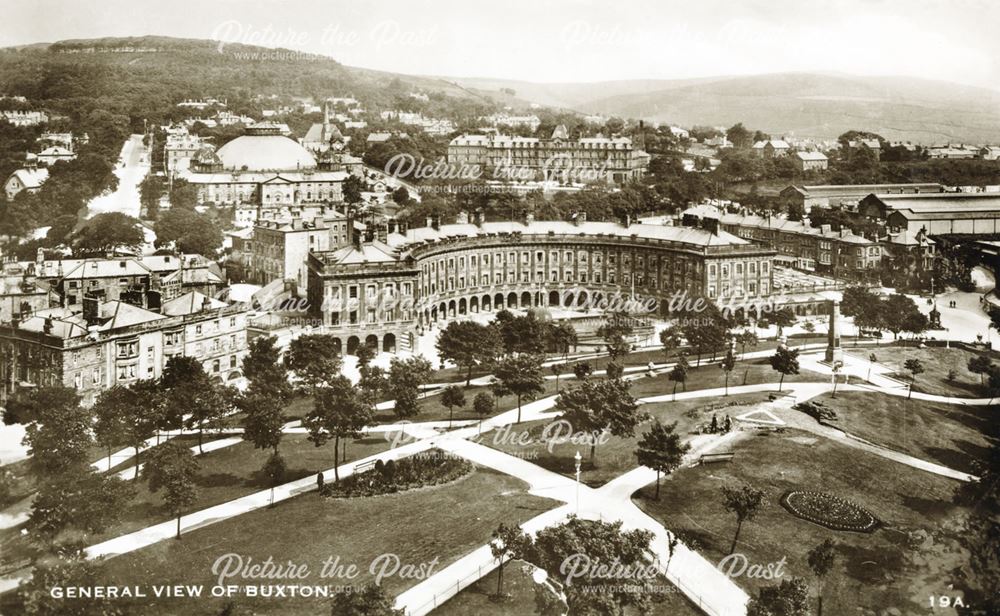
{"type": "Point", "coordinates": [897, 565]}
{"type": "Point", "coordinates": [443, 522]}
{"type": "Point", "coordinates": [954, 435]}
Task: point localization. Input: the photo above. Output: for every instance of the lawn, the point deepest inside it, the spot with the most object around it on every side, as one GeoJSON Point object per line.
{"type": "Point", "coordinates": [954, 435]}
{"type": "Point", "coordinates": [530, 441]}
{"type": "Point", "coordinates": [519, 600]}
{"type": "Point", "coordinates": [937, 363]}
{"type": "Point", "coordinates": [223, 475]}
{"type": "Point", "coordinates": [746, 372]}
{"type": "Point", "coordinates": [443, 522]}
{"type": "Point", "coordinates": [898, 565]}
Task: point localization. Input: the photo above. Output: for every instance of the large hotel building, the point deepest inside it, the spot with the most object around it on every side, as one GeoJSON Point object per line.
{"type": "Point", "coordinates": [606, 159]}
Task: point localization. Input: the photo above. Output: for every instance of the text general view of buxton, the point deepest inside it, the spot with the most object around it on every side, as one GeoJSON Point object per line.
{"type": "Point", "coordinates": [469, 308]}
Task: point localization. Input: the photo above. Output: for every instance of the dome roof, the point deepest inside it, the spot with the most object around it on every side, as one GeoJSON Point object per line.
{"type": "Point", "coordinates": [265, 153]}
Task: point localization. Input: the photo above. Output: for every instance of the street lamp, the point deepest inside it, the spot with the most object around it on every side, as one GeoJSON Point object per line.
{"type": "Point", "coordinates": [578, 458]}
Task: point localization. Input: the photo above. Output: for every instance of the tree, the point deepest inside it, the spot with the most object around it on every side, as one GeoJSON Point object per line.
{"type": "Point", "coordinates": [785, 361]}
{"type": "Point", "coordinates": [106, 233]}
{"type": "Point", "coordinates": [820, 560]}
{"type": "Point", "coordinates": [58, 431]}
{"type": "Point", "coordinates": [900, 314]}
{"type": "Point", "coordinates": [746, 339]}
{"type": "Point", "coordinates": [79, 498]}
{"type": "Point", "coordinates": [705, 331]}
{"type": "Point", "coordinates": [274, 469]}
{"type": "Point", "coordinates": [110, 425]}
{"type": "Point", "coordinates": [727, 365]}
{"type": "Point", "coordinates": [679, 373]}
{"type": "Point", "coordinates": [915, 366]}
{"type": "Point", "coordinates": [561, 336]}
{"type": "Point", "coordinates": [264, 369]}
{"type": "Point", "coordinates": [615, 332]}
{"type": "Point", "coordinates": [556, 369]}
{"type": "Point", "coordinates": [788, 598]}
{"type": "Point", "coordinates": [482, 404]}
{"type": "Point", "coordinates": [661, 449]}
{"type": "Point", "coordinates": [369, 600]}
{"type": "Point", "coordinates": [351, 189]}
{"type": "Point", "coordinates": [190, 390]}
{"type": "Point", "coordinates": [670, 338]}
{"type": "Point", "coordinates": [172, 468]}
{"type": "Point", "coordinates": [188, 232]}
{"type": "Point", "coordinates": [745, 502]}
{"type": "Point", "coordinates": [509, 542]}
{"type": "Point", "coordinates": [339, 411]}
{"type": "Point", "coordinates": [595, 407]}
{"type": "Point", "coordinates": [35, 597]}
{"type": "Point", "coordinates": [520, 375]}
{"type": "Point", "coordinates": [596, 543]}
{"type": "Point", "coordinates": [451, 397]}
{"type": "Point", "coordinates": [406, 376]}
{"type": "Point", "coordinates": [782, 318]}
{"type": "Point", "coordinates": [981, 365]}
{"type": "Point", "coordinates": [264, 419]}
{"type": "Point", "coordinates": [128, 415]}
{"type": "Point", "coordinates": [313, 359]}
{"type": "Point", "coordinates": [582, 370]}
{"type": "Point", "coordinates": [468, 344]}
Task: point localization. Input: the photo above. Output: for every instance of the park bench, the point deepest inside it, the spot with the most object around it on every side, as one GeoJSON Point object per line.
{"type": "Point", "coordinates": [706, 458]}
{"type": "Point", "coordinates": [364, 466]}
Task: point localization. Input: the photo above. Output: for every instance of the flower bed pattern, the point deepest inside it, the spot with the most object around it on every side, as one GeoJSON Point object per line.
{"type": "Point", "coordinates": [425, 469]}
{"type": "Point", "coordinates": [829, 511]}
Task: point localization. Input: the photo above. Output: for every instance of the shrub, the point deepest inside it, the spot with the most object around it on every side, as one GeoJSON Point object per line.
{"type": "Point", "coordinates": [434, 467]}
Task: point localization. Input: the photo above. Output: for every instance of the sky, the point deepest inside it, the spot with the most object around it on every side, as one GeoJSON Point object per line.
{"type": "Point", "coordinates": [564, 40]}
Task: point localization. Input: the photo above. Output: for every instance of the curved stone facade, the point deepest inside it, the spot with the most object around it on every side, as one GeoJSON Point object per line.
{"type": "Point", "coordinates": [458, 272]}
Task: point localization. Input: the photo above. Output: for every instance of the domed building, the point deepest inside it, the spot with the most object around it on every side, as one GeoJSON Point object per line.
{"type": "Point", "coordinates": [264, 170]}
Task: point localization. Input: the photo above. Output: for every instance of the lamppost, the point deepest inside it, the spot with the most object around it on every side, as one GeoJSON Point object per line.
{"type": "Point", "coordinates": [578, 458]}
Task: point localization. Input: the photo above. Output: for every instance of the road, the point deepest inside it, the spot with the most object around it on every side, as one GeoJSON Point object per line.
{"type": "Point", "coordinates": [132, 167]}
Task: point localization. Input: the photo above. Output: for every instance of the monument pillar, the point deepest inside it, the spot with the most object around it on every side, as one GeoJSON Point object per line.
{"type": "Point", "coordinates": [833, 350]}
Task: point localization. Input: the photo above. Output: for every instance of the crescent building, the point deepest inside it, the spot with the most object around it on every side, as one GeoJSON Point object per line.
{"type": "Point", "coordinates": [382, 289]}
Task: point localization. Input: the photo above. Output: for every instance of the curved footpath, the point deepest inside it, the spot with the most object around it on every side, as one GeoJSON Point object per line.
{"type": "Point", "coordinates": [708, 588]}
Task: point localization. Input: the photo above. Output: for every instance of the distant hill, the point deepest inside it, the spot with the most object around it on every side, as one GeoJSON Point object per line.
{"type": "Point", "coordinates": [804, 104]}
{"type": "Point", "coordinates": [151, 72]}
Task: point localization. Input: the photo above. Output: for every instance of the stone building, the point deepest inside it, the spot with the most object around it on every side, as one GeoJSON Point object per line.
{"type": "Point", "coordinates": [265, 171]}
{"type": "Point", "coordinates": [591, 159]}
{"type": "Point", "coordinates": [384, 287]}
{"type": "Point", "coordinates": [115, 343]}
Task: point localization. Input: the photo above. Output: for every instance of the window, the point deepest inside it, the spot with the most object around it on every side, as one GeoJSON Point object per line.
{"type": "Point", "coordinates": [197, 329]}
{"type": "Point", "coordinates": [216, 366]}
{"type": "Point", "coordinates": [232, 361]}
{"type": "Point", "coordinates": [711, 270]}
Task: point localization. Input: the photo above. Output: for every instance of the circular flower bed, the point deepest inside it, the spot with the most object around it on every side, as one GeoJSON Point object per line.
{"type": "Point", "coordinates": [830, 511]}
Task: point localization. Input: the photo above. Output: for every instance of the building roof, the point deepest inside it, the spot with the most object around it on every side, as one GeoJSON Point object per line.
{"type": "Point", "coordinates": [811, 156]}
{"type": "Point", "coordinates": [265, 152]}
{"type": "Point", "coordinates": [259, 177]}
{"type": "Point", "coordinates": [777, 144]}
{"type": "Point", "coordinates": [838, 190]}
{"type": "Point", "coordinates": [944, 203]}
{"type": "Point", "coordinates": [31, 178]}
{"type": "Point", "coordinates": [783, 225]}
{"type": "Point", "coordinates": [684, 235]}
{"type": "Point", "coordinates": [371, 252]}
{"type": "Point", "coordinates": [190, 303]}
